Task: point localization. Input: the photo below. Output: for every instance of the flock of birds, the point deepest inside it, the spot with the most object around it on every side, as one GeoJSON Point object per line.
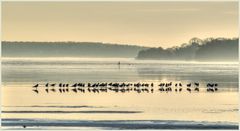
{"type": "Point", "coordinates": [123, 87]}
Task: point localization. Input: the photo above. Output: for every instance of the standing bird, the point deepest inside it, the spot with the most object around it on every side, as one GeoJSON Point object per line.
{"type": "Point", "coordinates": [196, 89]}
{"type": "Point", "coordinates": [36, 85]}
{"type": "Point", "coordinates": [35, 90]}
{"type": "Point", "coordinates": [74, 90]}
{"type": "Point", "coordinates": [53, 84]}
{"type": "Point", "coordinates": [60, 90]}
{"type": "Point", "coordinates": [189, 90]}
{"type": "Point", "coordinates": [152, 85]}
{"type": "Point", "coordinates": [53, 90]}
{"type": "Point", "coordinates": [46, 90]}
{"type": "Point", "coordinates": [180, 89]}
{"type": "Point", "coordinates": [180, 84]}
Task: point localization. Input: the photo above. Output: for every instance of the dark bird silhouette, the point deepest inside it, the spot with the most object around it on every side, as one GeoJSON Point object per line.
{"type": "Point", "coordinates": [74, 90]}
{"type": "Point", "coordinates": [75, 85]}
{"type": "Point", "coordinates": [89, 90]}
{"type": "Point", "coordinates": [180, 89]}
{"type": "Point", "coordinates": [196, 89]}
{"type": "Point", "coordinates": [152, 85]}
{"type": "Point", "coordinates": [152, 90]}
{"type": "Point", "coordinates": [189, 85]}
{"type": "Point", "coordinates": [53, 84]}
{"type": "Point", "coordinates": [196, 84]}
{"type": "Point", "coordinates": [60, 90]}
{"type": "Point", "coordinates": [35, 90]}
{"type": "Point", "coordinates": [46, 90]}
{"type": "Point", "coordinates": [189, 90]}
{"type": "Point", "coordinates": [36, 85]}
{"type": "Point", "coordinates": [53, 90]}
{"type": "Point", "coordinates": [67, 90]}
{"type": "Point", "coordinates": [210, 90]}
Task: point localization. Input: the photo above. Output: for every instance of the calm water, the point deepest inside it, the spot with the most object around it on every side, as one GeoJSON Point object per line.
{"type": "Point", "coordinates": [19, 75]}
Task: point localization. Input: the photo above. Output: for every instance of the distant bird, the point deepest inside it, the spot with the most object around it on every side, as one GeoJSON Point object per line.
{"type": "Point", "coordinates": [196, 84]}
{"type": "Point", "coordinates": [74, 90]}
{"type": "Point", "coordinates": [75, 85]}
{"type": "Point", "coordinates": [24, 126]}
{"type": "Point", "coordinates": [152, 85]}
{"type": "Point", "coordinates": [53, 90]}
{"type": "Point", "coordinates": [180, 89]}
{"type": "Point", "coordinates": [210, 90]}
{"type": "Point", "coordinates": [46, 90]}
{"type": "Point", "coordinates": [196, 89]}
{"type": "Point", "coordinates": [60, 90]}
{"type": "Point", "coordinates": [180, 84]}
{"type": "Point", "coordinates": [67, 90]}
{"type": "Point", "coordinates": [35, 90]}
{"type": "Point", "coordinates": [152, 90]}
{"type": "Point", "coordinates": [53, 84]}
{"type": "Point", "coordinates": [60, 85]}
{"type": "Point", "coordinates": [189, 90]}
{"type": "Point", "coordinates": [36, 85]}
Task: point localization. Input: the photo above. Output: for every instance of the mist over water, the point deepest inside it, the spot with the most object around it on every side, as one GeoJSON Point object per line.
{"type": "Point", "coordinates": [72, 70]}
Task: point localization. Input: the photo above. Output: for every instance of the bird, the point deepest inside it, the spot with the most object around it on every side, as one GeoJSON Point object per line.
{"type": "Point", "coordinates": [189, 90]}
{"type": "Point", "coordinates": [74, 90]}
{"type": "Point", "coordinates": [36, 85]}
{"type": "Point", "coordinates": [196, 84]}
{"type": "Point", "coordinates": [152, 85]}
{"type": "Point", "coordinates": [196, 89]}
{"type": "Point", "coordinates": [60, 84]}
{"type": "Point", "coordinates": [35, 90]}
{"type": "Point", "coordinates": [53, 90]}
{"type": "Point", "coordinates": [152, 90]}
{"type": "Point", "coordinates": [75, 85]}
{"type": "Point", "coordinates": [53, 84]}
{"type": "Point", "coordinates": [180, 89]}
{"type": "Point", "coordinates": [46, 90]}
{"type": "Point", "coordinates": [60, 90]}
{"type": "Point", "coordinates": [180, 84]}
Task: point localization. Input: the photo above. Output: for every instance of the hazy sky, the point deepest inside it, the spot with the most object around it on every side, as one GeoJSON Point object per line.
{"type": "Point", "coordinates": [156, 24]}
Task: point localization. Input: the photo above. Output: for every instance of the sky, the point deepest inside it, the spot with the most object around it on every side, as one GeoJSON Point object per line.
{"type": "Point", "coordinates": [154, 24]}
